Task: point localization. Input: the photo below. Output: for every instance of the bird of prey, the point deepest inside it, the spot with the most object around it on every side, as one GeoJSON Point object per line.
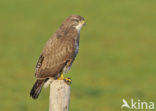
{"type": "Point", "coordinates": [58, 54]}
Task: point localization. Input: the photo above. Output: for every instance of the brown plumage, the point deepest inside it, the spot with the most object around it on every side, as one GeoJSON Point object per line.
{"type": "Point", "coordinates": [58, 53]}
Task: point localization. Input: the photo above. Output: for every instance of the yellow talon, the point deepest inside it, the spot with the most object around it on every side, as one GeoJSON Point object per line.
{"type": "Point", "coordinates": [67, 80]}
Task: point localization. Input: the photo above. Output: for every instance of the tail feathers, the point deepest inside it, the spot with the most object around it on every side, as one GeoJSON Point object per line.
{"type": "Point", "coordinates": [36, 89]}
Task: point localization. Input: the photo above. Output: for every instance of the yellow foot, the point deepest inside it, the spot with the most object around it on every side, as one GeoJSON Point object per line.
{"type": "Point", "coordinates": [61, 77]}
{"type": "Point", "coordinates": [68, 80]}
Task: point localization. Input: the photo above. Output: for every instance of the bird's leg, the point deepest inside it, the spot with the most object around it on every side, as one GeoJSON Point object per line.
{"type": "Point", "coordinates": [61, 77]}
{"type": "Point", "coordinates": [67, 80]}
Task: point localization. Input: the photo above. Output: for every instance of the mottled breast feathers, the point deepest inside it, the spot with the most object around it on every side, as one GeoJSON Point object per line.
{"type": "Point", "coordinates": [57, 53]}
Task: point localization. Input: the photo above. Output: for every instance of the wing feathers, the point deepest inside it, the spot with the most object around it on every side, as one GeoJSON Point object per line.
{"type": "Point", "coordinates": [55, 56]}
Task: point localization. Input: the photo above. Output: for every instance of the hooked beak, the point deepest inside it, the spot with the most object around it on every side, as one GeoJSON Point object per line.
{"type": "Point", "coordinates": [83, 22]}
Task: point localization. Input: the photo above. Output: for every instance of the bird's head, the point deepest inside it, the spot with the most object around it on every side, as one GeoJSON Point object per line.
{"type": "Point", "coordinates": [75, 21]}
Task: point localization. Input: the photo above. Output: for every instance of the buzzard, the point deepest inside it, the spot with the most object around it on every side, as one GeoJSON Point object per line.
{"type": "Point", "coordinates": [58, 54]}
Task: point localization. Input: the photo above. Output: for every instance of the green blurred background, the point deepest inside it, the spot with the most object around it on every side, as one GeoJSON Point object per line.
{"type": "Point", "coordinates": [117, 57]}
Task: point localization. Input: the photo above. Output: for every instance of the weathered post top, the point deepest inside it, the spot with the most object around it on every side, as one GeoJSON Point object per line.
{"type": "Point", "coordinates": [59, 96]}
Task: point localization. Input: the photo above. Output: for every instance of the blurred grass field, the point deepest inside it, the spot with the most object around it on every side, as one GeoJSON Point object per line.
{"type": "Point", "coordinates": [117, 57]}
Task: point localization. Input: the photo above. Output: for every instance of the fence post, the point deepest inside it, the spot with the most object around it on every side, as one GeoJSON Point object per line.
{"type": "Point", "coordinates": [59, 96]}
